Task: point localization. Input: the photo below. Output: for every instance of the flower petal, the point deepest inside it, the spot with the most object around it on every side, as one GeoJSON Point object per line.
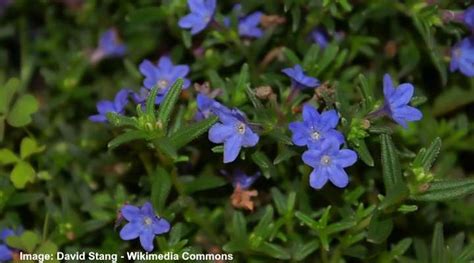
{"type": "Point", "coordinates": [300, 133]}
{"type": "Point", "coordinates": [317, 179]}
{"type": "Point", "coordinates": [250, 138]}
{"type": "Point", "coordinates": [105, 106]}
{"type": "Point", "coordinates": [329, 119]}
{"type": "Point", "coordinates": [345, 158]}
{"type": "Point", "coordinates": [310, 114]}
{"type": "Point", "coordinates": [338, 176]}
{"type": "Point", "coordinates": [232, 148]}
{"type": "Point", "coordinates": [147, 209]}
{"type": "Point", "coordinates": [218, 133]}
{"type": "Point", "coordinates": [146, 240]}
{"type": "Point", "coordinates": [121, 99]}
{"type": "Point", "coordinates": [312, 157]}
{"type": "Point", "coordinates": [387, 86]}
{"type": "Point", "coordinates": [402, 95]}
{"type": "Point", "coordinates": [130, 212]}
{"type": "Point", "coordinates": [189, 20]}
{"type": "Point", "coordinates": [161, 226]}
{"type": "Point", "coordinates": [5, 253]}
{"type": "Point", "coordinates": [130, 231]}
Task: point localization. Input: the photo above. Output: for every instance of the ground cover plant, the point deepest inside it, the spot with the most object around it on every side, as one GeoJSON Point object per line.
{"type": "Point", "coordinates": [246, 131]}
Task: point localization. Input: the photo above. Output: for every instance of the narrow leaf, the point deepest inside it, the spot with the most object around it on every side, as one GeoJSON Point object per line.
{"type": "Point", "coordinates": [392, 174]}
{"type": "Point", "coordinates": [150, 101]}
{"type": "Point", "coordinates": [446, 190]}
{"type": "Point", "coordinates": [431, 153]}
{"type": "Point", "coordinates": [128, 136]}
{"type": "Point", "coordinates": [168, 103]}
{"type": "Point", "coordinates": [438, 253]}
{"type": "Point", "coordinates": [160, 188]}
{"type": "Point", "coordinates": [188, 134]}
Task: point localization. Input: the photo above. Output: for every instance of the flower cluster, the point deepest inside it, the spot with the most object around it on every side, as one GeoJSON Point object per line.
{"type": "Point", "coordinates": [318, 132]}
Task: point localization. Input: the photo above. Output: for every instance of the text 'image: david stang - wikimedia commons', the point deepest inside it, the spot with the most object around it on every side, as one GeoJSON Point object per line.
{"type": "Point", "coordinates": [129, 256]}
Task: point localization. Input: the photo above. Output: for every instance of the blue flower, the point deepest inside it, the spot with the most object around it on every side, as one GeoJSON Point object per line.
{"type": "Point", "coordinates": [299, 79]}
{"type": "Point", "coordinates": [6, 253]}
{"type": "Point", "coordinates": [396, 102]}
{"type": "Point", "coordinates": [109, 46]}
{"type": "Point", "coordinates": [320, 37]}
{"type": "Point", "coordinates": [143, 223]}
{"type": "Point", "coordinates": [315, 127]}
{"type": "Point", "coordinates": [202, 13]}
{"type": "Point", "coordinates": [468, 17]}
{"type": "Point", "coordinates": [239, 178]}
{"type": "Point", "coordinates": [329, 162]}
{"type": "Point", "coordinates": [248, 26]}
{"type": "Point", "coordinates": [233, 131]}
{"type": "Point", "coordinates": [207, 106]}
{"type": "Point", "coordinates": [462, 57]}
{"type": "Point", "coordinates": [117, 106]}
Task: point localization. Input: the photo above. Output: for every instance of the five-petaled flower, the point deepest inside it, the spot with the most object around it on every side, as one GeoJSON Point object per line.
{"type": "Point", "coordinates": [202, 13]}
{"type": "Point", "coordinates": [462, 57]}
{"type": "Point", "coordinates": [6, 252]}
{"type": "Point", "coordinates": [315, 127]}
{"type": "Point", "coordinates": [109, 46]}
{"type": "Point", "coordinates": [248, 26]}
{"type": "Point", "coordinates": [163, 74]}
{"type": "Point", "coordinates": [143, 223]}
{"type": "Point", "coordinates": [117, 106]}
{"type": "Point", "coordinates": [299, 79]}
{"type": "Point", "coordinates": [396, 102]}
{"type": "Point", "coordinates": [329, 162]}
{"type": "Point", "coordinates": [234, 131]}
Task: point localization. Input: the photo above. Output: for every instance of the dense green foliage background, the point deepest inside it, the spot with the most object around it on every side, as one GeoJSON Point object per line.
{"type": "Point", "coordinates": [70, 200]}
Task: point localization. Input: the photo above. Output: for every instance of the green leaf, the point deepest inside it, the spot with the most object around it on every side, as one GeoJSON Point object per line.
{"type": "Point", "coordinates": [251, 95]}
{"type": "Point", "coordinates": [305, 250]}
{"type": "Point", "coordinates": [160, 188]}
{"type": "Point", "coordinates": [187, 134]}
{"type": "Point", "coordinates": [21, 174]}
{"type": "Point", "coordinates": [20, 114]}
{"type": "Point", "coordinates": [279, 200]}
{"type": "Point", "coordinates": [48, 247]}
{"type": "Point", "coordinates": [168, 103]}
{"type": "Point", "coordinates": [150, 102]}
{"type": "Point", "coordinates": [274, 251]}
{"type": "Point", "coordinates": [328, 57]}
{"type": "Point", "coordinates": [466, 254]}
{"type": "Point", "coordinates": [438, 253]}
{"type": "Point", "coordinates": [28, 147]}
{"type": "Point", "coordinates": [364, 153]}
{"type": "Point", "coordinates": [2, 127]}
{"type": "Point", "coordinates": [446, 190]}
{"type": "Point", "coordinates": [305, 219]}
{"type": "Point", "coordinates": [6, 94]}
{"type": "Point", "coordinates": [379, 229]}
{"type": "Point", "coordinates": [400, 248]}
{"type": "Point", "coordinates": [431, 153]}
{"type": "Point", "coordinates": [204, 182]}
{"type": "Point", "coordinates": [239, 228]}
{"type": "Point", "coordinates": [118, 120]}
{"type": "Point", "coordinates": [165, 146]}
{"type": "Point", "coordinates": [265, 226]}
{"type": "Point", "coordinates": [127, 136]}
{"type": "Point", "coordinates": [7, 157]}
{"type": "Point", "coordinates": [291, 56]}
{"type": "Point", "coordinates": [267, 167]}
{"type": "Point", "coordinates": [283, 155]}
{"type": "Point", "coordinates": [238, 93]}
{"type": "Point", "coordinates": [392, 175]}
{"type": "Point", "coordinates": [366, 92]}
{"type": "Point", "coordinates": [26, 241]}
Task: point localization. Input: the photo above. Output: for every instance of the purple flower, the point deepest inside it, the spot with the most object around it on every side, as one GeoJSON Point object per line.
{"type": "Point", "coordinates": [320, 37]}
{"type": "Point", "coordinates": [396, 102]}
{"type": "Point", "coordinates": [248, 26]}
{"type": "Point", "coordinates": [109, 46]}
{"type": "Point", "coordinates": [468, 17]}
{"type": "Point", "coordinates": [329, 162]}
{"type": "Point", "coordinates": [117, 106]}
{"type": "Point", "coordinates": [164, 74]}
{"type": "Point", "coordinates": [299, 79]}
{"type": "Point", "coordinates": [6, 253]}
{"type": "Point", "coordinates": [462, 57]}
{"type": "Point", "coordinates": [143, 223]}
{"type": "Point", "coordinates": [233, 131]}
{"type": "Point", "coordinates": [243, 180]}
{"type": "Point", "coordinates": [315, 128]}
{"type": "Point", "coordinates": [207, 106]}
{"type": "Point", "coordinates": [202, 13]}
